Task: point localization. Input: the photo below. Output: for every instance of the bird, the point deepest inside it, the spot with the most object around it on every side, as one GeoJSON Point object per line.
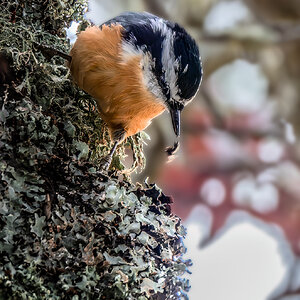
{"type": "Point", "coordinates": [136, 66]}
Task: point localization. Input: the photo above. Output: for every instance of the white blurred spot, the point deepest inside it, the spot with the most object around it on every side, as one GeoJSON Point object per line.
{"type": "Point", "coordinates": [247, 260]}
{"type": "Point", "coordinates": [198, 223]}
{"type": "Point", "coordinates": [267, 175]}
{"type": "Point", "coordinates": [262, 198]}
{"type": "Point", "coordinates": [71, 32]}
{"type": "Point", "coordinates": [213, 192]}
{"type": "Point", "coordinates": [225, 15]}
{"type": "Point", "coordinates": [242, 192]}
{"type": "Point", "coordinates": [270, 151]}
{"type": "Point", "coordinates": [224, 147]}
{"type": "Point", "coordinates": [239, 86]}
{"type": "Point", "coordinates": [265, 199]}
{"type": "Point", "coordinates": [286, 175]}
{"type": "Point", "coordinates": [102, 10]}
{"type": "Point", "coordinates": [295, 280]}
{"type": "Point", "coordinates": [289, 132]}
{"type": "Point", "coordinates": [289, 177]}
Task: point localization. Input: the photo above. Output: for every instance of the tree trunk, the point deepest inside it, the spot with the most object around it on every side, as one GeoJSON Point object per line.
{"type": "Point", "coordinates": [68, 231]}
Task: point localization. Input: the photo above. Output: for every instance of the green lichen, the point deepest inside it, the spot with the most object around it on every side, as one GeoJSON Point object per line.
{"type": "Point", "coordinates": [67, 231]}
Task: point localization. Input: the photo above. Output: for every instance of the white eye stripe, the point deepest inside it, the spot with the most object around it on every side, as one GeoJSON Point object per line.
{"type": "Point", "coordinates": [149, 78]}
{"type": "Point", "coordinates": [169, 62]}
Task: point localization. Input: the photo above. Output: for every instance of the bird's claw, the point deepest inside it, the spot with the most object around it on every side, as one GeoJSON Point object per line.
{"type": "Point", "coordinates": [105, 163]}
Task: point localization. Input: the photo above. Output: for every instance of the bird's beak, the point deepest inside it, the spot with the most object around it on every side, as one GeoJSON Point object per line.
{"type": "Point", "coordinates": [175, 115]}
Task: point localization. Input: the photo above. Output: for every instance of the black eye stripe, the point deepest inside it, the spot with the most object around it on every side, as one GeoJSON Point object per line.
{"type": "Point", "coordinates": [186, 48]}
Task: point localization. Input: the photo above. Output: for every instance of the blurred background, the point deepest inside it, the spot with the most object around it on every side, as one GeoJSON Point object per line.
{"type": "Point", "coordinates": [236, 179]}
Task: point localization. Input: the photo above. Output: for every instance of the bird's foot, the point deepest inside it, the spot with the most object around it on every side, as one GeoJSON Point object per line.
{"type": "Point", "coordinates": [105, 162]}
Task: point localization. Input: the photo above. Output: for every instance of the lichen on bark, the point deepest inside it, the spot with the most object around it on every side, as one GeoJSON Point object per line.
{"type": "Point", "coordinates": [68, 231]}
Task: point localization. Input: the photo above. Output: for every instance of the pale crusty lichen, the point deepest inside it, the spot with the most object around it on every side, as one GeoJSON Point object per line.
{"type": "Point", "coordinates": [66, 230]}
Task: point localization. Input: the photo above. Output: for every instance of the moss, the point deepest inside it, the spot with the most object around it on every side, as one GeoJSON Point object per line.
{"type": "Point", "coordinates": [67, 231]}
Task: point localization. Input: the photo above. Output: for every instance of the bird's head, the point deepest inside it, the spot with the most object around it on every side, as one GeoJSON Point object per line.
{"type": "Point", "coordinates": [171, 62]}
{"type": "Point", "coordinates": [175, 68]}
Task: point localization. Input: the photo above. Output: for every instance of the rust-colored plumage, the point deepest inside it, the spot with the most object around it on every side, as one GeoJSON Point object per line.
{"type": "Point", "coordinates": [99, 67]}
{"type": "Point", "coordinates": [136, 65]}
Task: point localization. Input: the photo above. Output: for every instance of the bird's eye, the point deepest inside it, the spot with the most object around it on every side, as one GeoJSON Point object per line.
{"type": "Point", "coordinates": [180, 106]}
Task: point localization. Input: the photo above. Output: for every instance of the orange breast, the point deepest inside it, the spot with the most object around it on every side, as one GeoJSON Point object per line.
{"type": "Point", "coordinates": [99, 68]}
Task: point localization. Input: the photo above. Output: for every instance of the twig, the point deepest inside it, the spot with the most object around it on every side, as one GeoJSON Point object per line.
{"type": "Point", "coordinates": [50, 52]}
{"type": "Point", "coordinates": [47, 207]}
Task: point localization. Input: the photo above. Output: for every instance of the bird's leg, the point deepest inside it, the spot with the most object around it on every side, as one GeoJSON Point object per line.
{"type": "Point", "coordinates": [118, 137]}
{"type": "Point", "coordinates": [106, 160]}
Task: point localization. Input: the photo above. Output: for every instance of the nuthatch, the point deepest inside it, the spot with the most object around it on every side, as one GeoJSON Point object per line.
{"type": "Point", "coordinates": [136, 65]}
